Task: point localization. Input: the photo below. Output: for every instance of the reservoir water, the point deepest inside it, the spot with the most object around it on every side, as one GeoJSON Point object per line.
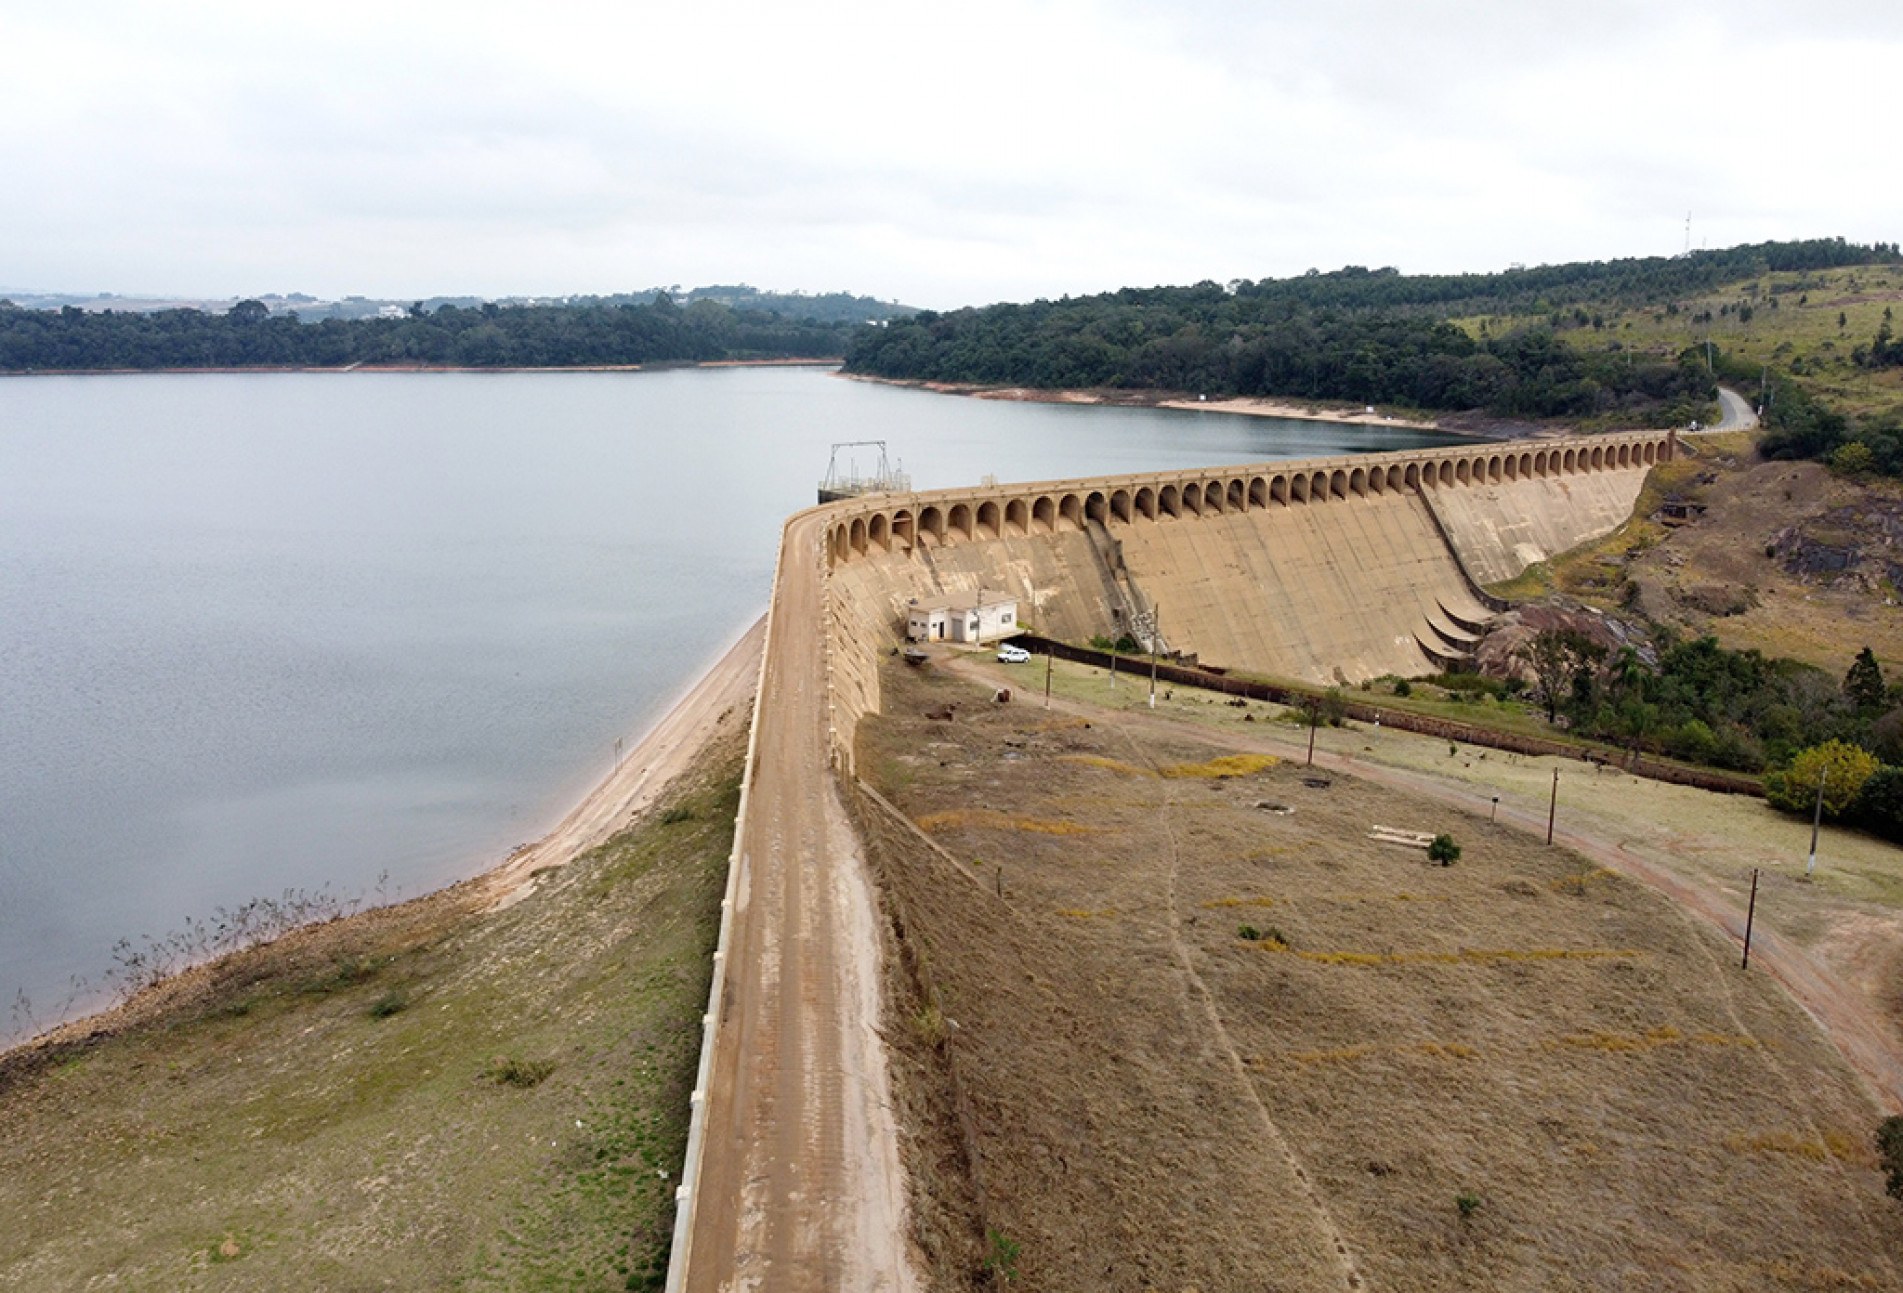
{"type": "Point", "coordinates": [368, 632]}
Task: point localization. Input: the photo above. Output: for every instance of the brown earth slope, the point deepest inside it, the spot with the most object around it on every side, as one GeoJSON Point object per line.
{"type": "Point", "coordinates": [1785, 557]}
{"type": "Point", "coordinates": [1518, 1072]}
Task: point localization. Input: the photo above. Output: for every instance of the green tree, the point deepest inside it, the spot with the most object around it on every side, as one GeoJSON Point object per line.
{"type": "Point", "coordinates": [1880, 803]}
{"type": "Point", "coordinates": [1863, 685]}
{"type": "Point", "coordinates": [1555, 658]}
{"type": "Point", "coordinates": [1840, 766]}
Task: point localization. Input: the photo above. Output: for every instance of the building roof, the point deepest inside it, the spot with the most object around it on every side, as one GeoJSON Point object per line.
{"type": "Point", "coordinates": [964, 601]}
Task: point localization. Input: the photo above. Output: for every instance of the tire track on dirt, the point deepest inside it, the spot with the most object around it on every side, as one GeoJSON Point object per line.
{"type": "Point", "coordinates": [1329, 1233]}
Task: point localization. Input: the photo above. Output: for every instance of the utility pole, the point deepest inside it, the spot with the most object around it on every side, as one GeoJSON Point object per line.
{"type": "Point", "coordinates": [1047, 679]}
{"type": "Point", "coordinates": [617, 754]}
{"type": "Point", "coordinates": [1314, 718]}
{"type": "Point", "coordinates": [1750, 914]}
{"type": "Point", "coordinates": [1817, 819]}
{"type": "Point", "coordinates": [1552, 809]}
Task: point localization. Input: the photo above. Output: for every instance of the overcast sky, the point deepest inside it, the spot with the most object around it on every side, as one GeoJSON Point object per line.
{"type": "Point", "coordinates": [939, 154]}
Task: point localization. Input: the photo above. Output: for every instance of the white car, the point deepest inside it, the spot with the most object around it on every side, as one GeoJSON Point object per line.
{"type": "Point", "coordinates": [1012, 655]}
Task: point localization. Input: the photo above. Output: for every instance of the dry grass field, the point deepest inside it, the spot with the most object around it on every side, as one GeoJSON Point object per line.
{"type": "Point", "coordinates": [1152, 1032]}
{"type": "Point", "coordinates": [421, 1097]}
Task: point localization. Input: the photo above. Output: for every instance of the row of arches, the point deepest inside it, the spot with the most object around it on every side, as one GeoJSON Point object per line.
{"type": "Point", "coordinates": [898, 529]}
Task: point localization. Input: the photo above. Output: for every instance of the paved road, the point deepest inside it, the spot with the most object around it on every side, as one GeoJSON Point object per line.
{"type": "Point", "coordinates": [1737, 412]}
{"type": "Point", "coordinates": [800, 1187]}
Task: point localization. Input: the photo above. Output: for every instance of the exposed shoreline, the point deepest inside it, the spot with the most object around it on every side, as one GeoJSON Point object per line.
{"type": "Point", "coordinates": [1247, 406]}
{"type": "Point", "coordinates": [717, 697]}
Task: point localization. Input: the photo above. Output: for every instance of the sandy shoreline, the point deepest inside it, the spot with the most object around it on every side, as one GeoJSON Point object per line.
{"type": "Point", "coordinates": [721, 695]}
{"type": "Point", "coordinates": [1247, 406]}
{"type": "Point", "coordinates": [668, 748]}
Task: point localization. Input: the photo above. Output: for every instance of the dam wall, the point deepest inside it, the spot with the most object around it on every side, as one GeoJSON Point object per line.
{"type": "Point", "coordinates": [1327, 570]}
{"type": "Point", "coordinates": [1501, 528]}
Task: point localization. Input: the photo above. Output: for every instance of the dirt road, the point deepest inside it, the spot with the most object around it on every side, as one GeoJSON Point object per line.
{"type": "Point", "coordinates": [800, 1186]}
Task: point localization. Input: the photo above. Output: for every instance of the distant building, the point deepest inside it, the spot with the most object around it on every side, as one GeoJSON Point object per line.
{"type": "Point", "coordinates": [962, 617]}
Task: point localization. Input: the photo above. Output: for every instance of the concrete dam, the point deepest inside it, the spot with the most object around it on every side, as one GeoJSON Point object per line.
{"type": "Point", "coordinates": [1327, 570]}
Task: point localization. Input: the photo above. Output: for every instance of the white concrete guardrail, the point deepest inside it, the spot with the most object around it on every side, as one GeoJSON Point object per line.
{"type": "Point", "coordinates": [687, 1193]}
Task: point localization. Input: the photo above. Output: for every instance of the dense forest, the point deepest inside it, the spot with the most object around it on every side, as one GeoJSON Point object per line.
{"type": "Point", "coordinates": [1214, 341]}
{"type": "Point", "coordinates": [1368, 336]}
{"type": "Point", "coordinates": [488, 336]}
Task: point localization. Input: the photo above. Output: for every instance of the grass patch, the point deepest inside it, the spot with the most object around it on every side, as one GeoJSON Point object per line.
{"type": "Point", "coordinates": [1831, 1146]}
{"type": "Point", "coordinates": [512, 1070]}
{"type": "Point", "coordinates": [963, 818]}
{"type": "Point", "coordinates": [1221, 767]}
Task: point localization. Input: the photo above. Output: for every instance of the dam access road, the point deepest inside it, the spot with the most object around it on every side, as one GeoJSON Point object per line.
{"type": "Point", "coordinates": [799, 1186]}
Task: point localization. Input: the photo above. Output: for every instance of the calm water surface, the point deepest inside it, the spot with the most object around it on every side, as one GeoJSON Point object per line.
{"type": "Point", "coordinates": [275, 632]}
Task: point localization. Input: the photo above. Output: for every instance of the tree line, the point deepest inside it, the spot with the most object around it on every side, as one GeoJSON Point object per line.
{"type": "Point", "coordinates": [1706, 704]}
{"type": "Point", "coordinates": [488, 336]}
{"type": "Point", "coordinates": [1542, 288]}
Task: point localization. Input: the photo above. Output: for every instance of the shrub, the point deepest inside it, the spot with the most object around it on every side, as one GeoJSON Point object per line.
{"type": "Point", "coordinates": [1852, 458]}
{"type": "Point", "coordinates": [393, 1002]}
{"type": "Point", "coordinates": [1472, 683]}
{"type": "Point", "coordinates": [1880, 803]}
{"type": "Point", "coordinates": [1002, 1260]}
{"type": "Point", "coordinates": [1841, 767]}
{"type": "Point", "coordinates": [1693, 741]}
{"type": "Point", "coordinates": [511, 1071]}
{"type": "Point", "coordinates": [677, 814]}
{"type": "Point", "coordinates": [1404, 688]}
{"type": "Point", "coordinates": [930, 1023]}
{"type": "Point", "coordinates": [1890, 1150]}
{"type": "Point", "coordinates": [1468, 1203]}
{"type": "Point", "coordinates": [1443, 850]}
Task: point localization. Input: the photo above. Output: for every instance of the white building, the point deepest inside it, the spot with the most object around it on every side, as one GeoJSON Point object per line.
{"type": "Point", "coordinates": [962, 617]}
